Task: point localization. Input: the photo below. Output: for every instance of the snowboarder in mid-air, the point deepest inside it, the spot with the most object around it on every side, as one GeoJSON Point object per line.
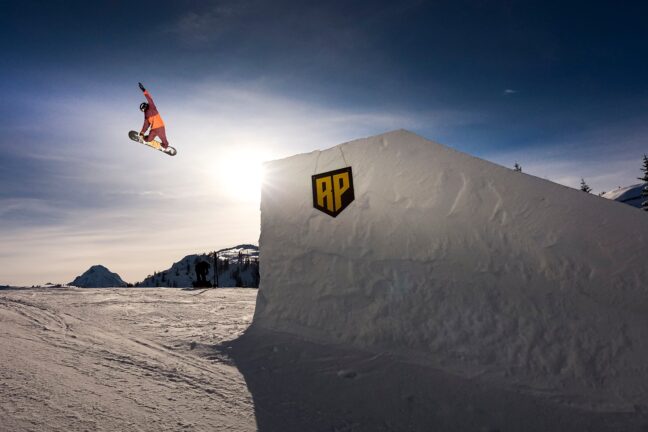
{"type": "Point", "coordinates": [152, 120]}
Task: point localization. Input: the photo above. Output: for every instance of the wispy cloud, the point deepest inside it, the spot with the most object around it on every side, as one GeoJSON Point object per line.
{"type": "Point", "coordinates": [209, 23]}
{"type": "Point", "coordinates": [510, 92]}
{"type": "Point", "coordinates": [246, 115]}
{"type": "Point", "coordinates": [26, 207]}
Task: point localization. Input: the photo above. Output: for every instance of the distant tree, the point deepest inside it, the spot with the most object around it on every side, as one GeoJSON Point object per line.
{"type": "Point", "coordinates": [644, 168]}
{"type": "Point", "coordinates": [517, 167]}
{"type": "Point", "coordinates": [644, 178]}
{"type": "Point", "coordinates": [584, 187]}
{"type": "Point", "coordinates": [238, 281]}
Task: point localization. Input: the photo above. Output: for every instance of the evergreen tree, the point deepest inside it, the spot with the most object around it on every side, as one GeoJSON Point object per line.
{"type": "Point", "coordinates": [644, 178]}
{"type": "Point", "coordinates": [517, 167]}
{"type": "Point", "coordinates": [236, 275]}
{"type": "Point", "coordinates": [584, 187]}
{"type": "Point", "coordinates": [644, 168]}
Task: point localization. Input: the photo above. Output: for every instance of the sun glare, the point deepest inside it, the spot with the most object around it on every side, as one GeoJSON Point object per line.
{"type": "Point", "coordinates": [240, 175]}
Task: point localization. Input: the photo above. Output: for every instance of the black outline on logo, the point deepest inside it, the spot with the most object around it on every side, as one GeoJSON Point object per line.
{"type": "Point", "coordinates": [347, 198]}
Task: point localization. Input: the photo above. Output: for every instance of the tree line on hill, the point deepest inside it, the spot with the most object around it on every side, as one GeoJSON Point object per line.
{"type": "Point", "coordinates": [240, 270]}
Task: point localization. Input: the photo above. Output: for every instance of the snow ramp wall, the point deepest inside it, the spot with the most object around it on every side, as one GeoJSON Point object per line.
{"type": "Point", "coordinates": [462, 264]}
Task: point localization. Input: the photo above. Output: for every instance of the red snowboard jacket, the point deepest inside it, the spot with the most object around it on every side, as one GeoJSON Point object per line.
{"type": "Point", "coordinates": [152, 117]}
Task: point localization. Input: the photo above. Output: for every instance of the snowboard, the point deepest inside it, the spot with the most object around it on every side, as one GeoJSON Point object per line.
{"type": "Point", "coordinates": [157, 145]}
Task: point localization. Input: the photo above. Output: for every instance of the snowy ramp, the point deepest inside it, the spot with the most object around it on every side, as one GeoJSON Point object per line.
{"type": "Point", "coordinates": [462, 264]}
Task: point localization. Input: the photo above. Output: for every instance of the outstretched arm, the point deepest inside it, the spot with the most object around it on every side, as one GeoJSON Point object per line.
{"type": "Point", "coordinates": [147, 95]}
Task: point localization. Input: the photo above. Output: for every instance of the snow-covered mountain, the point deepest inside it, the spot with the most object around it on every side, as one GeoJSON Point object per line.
{"type": "Point", "coordinates": [630, 195]}
{"type": "Point", "coordinates": [238, 266]}
{"type": "Point", "coordinates": [98, 276]}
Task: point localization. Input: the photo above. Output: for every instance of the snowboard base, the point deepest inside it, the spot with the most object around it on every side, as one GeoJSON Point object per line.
{"type": "Point", "coordinates": [157, 145]}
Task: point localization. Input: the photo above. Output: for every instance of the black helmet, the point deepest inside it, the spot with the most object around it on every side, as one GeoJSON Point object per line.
{"type": "Point", "coordinates": [143, 106]}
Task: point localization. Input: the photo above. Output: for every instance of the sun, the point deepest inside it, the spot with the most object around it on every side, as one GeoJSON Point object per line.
{"type": "Point", "coordinates": [240, 174]}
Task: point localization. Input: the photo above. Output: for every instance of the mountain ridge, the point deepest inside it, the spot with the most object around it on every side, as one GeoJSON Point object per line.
{"type": "Point", "coordinates": [98, 276]}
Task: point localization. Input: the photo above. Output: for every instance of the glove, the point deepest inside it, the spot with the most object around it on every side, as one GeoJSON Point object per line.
{"type": "Point", "coordinates": [141, 86]}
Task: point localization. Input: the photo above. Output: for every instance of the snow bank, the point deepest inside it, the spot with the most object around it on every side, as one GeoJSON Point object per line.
{"type": "Point", "coordinates": [630, 195]}
{"type": "Point", "coordinates": [462, 264]}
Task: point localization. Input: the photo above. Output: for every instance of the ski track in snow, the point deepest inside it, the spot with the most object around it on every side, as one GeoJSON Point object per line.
{"type": "Point", "coordinates": [111, 360]}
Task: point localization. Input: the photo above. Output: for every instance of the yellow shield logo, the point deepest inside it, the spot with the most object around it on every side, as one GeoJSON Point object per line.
{"type": "Point", "coordinates": [333, 191]}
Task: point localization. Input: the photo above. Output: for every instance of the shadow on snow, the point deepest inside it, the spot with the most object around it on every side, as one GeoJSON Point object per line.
{"type": "Point", "coordinates": [302, 386]}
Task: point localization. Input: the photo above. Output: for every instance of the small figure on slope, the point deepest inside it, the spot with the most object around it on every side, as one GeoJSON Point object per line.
{"type": "Point", "coordinates": [153, 120]}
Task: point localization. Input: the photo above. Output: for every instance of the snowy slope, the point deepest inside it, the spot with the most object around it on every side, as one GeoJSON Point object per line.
{"type": "Point", "coordinates": [79, 360]}
{"type": "Point", "coordinates": [164, 360]}
{"type": "Point", "coordinates": [462, 264]}
{"type": "Point", "coordinates": [630, 195]}
{"type": "Point", "coordinates": [238, 266]}
{"type": "Point", "coordinates": [98, 276]}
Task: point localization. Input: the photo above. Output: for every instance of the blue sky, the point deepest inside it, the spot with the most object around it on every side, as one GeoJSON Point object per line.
{"type": "Point", "coordinates": [558, 87]}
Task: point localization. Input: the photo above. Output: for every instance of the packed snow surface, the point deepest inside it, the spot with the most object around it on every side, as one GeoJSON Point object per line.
{"type": "Point", "coordinates": [461, 264]}
{"type": "Point", "coordinates": [98, 276]}
{"type": "Point", "coordinates": [176, 360]}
